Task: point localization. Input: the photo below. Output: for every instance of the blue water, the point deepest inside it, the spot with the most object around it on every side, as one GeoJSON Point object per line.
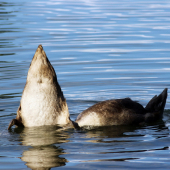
{"type": "Point", "coordinates": [100, 50]}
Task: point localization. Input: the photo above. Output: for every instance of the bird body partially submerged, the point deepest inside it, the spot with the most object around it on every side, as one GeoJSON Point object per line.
{"type": "Point", "coordinates": [123, 112]}
{"type": "Point", "coordinates": [42, 101]}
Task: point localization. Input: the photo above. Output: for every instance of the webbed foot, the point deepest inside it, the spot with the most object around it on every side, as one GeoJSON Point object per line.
{"type": "Point", "coordinates": [15, 122]}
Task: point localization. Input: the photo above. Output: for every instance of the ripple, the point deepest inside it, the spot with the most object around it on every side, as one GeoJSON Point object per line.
{"type": "Point", "coordinates": [100, 50]}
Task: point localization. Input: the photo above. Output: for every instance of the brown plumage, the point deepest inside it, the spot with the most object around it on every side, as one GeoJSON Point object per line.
{"type": "Point", "coordinates": [123, 112]}
{"type": "Point", "coordinates": [42, 101]}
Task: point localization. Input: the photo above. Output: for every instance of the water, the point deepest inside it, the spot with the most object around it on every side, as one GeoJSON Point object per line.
{"type": "Point", "coordinates": [100, 50]}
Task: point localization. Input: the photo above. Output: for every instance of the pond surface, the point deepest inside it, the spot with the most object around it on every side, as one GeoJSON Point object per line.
{"type": "Point", "coordinates": [100, 50]}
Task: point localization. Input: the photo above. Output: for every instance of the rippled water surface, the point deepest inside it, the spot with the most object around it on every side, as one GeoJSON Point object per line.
{"type": "Point", "coordinates": [100, 50]}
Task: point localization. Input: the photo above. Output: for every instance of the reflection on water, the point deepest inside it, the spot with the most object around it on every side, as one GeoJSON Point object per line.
{"type": "Point", "coordinates": [110, 132]}
{"type": "Point", "coordinates": [43, 158]}
{"type": "Point", "coordinates": [43, 154]}
{"type": "Point", "coordinates": [124, 143]}
{"type": "Point", "coordinates": [122, 133]}
{"type": "Point", "coordinates": [38, 136]}
{"type": "Point", "coordinates": [100, 50]}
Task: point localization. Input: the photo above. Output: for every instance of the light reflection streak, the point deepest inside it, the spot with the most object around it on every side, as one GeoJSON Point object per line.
{"type": "Point", "coordinates": [122, 78]}
{"type": "Point", "coordinates": [101, 50]}
{"type": "Point", "coordinates": [119, 70]}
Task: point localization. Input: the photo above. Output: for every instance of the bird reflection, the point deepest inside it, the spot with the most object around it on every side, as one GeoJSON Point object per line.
{"type": "Point", "coordinates": [43, 154]}
{"type": "Point", "coordinates": [122, 133]}
{"type": "Point", "coordinates": [43, 157]}
{"type": "Point", "coordinates": [110, 131]}
{"type": "Point", "coordinates": [44, 143]}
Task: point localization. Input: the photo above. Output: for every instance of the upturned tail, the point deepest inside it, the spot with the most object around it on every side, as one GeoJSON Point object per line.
{"type": "Point", "coordinates": [155, 107]}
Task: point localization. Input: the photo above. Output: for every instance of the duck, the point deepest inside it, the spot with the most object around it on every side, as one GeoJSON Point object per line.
{"type": "Point", "coordinates": [123, 112]}
{"type": "Point", "coordinates": [43, 103]}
